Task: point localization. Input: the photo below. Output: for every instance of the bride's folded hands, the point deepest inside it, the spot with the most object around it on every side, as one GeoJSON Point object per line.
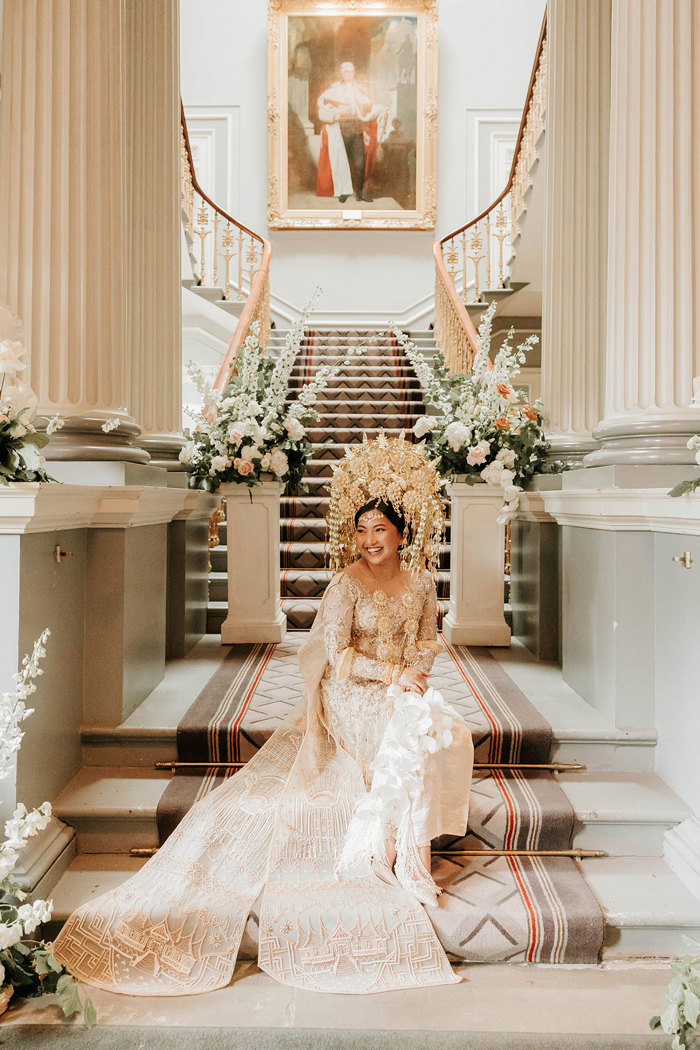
{"type": "Point", "coordinates": [413, 681]}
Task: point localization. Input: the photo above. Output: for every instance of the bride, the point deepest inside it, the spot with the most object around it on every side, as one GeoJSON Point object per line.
{"type": "Point", "coordinates": [331, 821]}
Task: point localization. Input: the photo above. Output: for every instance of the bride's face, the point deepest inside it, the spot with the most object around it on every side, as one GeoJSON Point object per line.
{"type": "Point", "coordinates": [377, 540]}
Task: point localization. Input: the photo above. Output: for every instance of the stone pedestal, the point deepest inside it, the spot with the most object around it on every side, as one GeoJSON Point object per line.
{"type": "Point", "coordinates": [476, 610]}
{"type": "Point", "coordinates": [188, 573]}
{"type": "Point", "coordinates": [575, 228]}
{"type": "Point", "coordinates": [535, 575]}
{"type": "Point", "coordinates": [653, 341]}
{"type": "Point", "coordinates": [253, 563]}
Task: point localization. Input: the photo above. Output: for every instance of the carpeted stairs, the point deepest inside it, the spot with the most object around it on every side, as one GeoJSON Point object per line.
{"type": "Point", "coordinates": [493, 908]}
{"type": "Point", "coordinates": [378, 391]}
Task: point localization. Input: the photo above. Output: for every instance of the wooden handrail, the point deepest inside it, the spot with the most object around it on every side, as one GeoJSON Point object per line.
{"type": "Point", "coordinates": [518, 141]}
{"type": "Point", "coordinates": [257, 302]}
{"type": "Point", "coordinates": [454, 329]}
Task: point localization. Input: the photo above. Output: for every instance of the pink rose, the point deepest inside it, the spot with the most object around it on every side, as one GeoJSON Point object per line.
{"type": "Point", "coordinates": [243, 466]}
{"type": "Point", "coordinates": [475, 455]}
{"type": "Point", "coordinates": [235, 436]}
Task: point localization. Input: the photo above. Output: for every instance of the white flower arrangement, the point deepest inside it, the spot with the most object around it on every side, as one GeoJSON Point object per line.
{"type": "Point", "coordinates": [684, 487]}
{"type": "Point", "coordinates": [483, 427]}
{"type": "Point", "coordinates": [682, 1011]}
{"type": "Point", "coordinates": [27, 969]}
{"type": "Point", "coordinates": [418, 727]}
{"type": "Point", "coordinates": [20, 442]}
{"type": "Point", "coordinates": [249, 428]}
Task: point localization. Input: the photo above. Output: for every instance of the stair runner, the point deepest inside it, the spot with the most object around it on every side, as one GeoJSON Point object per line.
{"type": "Point", "coordinates": [492, 909]}
{"type": "Point", "coordinates": [380, 391]}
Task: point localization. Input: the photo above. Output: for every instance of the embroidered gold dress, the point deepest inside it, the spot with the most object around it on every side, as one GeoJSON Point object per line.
{"type": "Point", "coordinates": [279, 827]}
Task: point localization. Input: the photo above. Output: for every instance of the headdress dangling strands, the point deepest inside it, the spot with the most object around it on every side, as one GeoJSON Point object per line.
{"type": "Point", "coordinates": [395, 472]}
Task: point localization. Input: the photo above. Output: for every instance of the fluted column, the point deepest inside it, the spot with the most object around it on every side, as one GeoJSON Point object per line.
{"type": "Point", "coordinates": [574, 289]}
{"type": "Point", "coordinates": [63, 266]}
{"type": "Point", "coordinates": [653, 336]}
{"type": "Point", "coordinates": [153, 101]}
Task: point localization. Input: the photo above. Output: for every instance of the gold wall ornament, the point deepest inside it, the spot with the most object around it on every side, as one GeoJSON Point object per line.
{"type": "Point", "coordinates": [299, 197]}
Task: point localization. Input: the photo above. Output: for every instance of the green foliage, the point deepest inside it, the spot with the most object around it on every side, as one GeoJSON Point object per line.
{"type": "Point", "coordinates": [682, 1010]}
{"type": "Point", "coordinates": [685, 486]}
{"type": "Point", "coordinates": [19, 448]}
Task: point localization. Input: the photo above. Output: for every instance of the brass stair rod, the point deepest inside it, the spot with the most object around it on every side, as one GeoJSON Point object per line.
{"type": "Point", "coordinates": [556, 767]}
{"type": "Point", "coordinates": [577, 854]}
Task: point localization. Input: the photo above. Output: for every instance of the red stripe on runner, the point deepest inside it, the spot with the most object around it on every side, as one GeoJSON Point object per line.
{"type": "Point", "coordinates": [534, 932]}
{"type": "Point", "coordinates": [233, 733]}
{"type": "Point", "coordinates": [495, 731]}
{"type": "Point", "coordinates": [510, 808]}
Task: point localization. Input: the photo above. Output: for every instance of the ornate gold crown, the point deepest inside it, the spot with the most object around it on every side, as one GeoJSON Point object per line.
{"type": "Point", "coordinates": [396, 472]}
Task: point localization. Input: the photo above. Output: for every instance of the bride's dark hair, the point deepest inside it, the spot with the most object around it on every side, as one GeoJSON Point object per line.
{"type": "Point", "coordinates": [389, 513]}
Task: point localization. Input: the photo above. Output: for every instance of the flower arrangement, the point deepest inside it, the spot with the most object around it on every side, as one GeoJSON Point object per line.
{"type": "Point", "coordinates": [20, 443]}
{"type": "Point", "coordinates": [27, 969]}
{"type": "Point", "coordinates": [689, 486]}
{"type": "Point", "coordinates": [483, 427]}
{"type": "Point", "coordinates": [682, 1011]}
{"type": "Point", "coordinates": [249, 429]}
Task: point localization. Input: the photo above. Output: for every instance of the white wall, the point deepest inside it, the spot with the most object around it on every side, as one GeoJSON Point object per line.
{"type": "Point", "coordinates": [486, 50]}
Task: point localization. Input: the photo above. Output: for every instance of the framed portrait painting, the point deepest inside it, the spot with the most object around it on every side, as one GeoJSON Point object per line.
{"type": "Point", "coordinates": [352, 114]}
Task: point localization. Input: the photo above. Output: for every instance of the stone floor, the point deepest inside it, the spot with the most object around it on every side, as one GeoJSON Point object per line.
{"type": "Point", "coordinates": [609, 1000]}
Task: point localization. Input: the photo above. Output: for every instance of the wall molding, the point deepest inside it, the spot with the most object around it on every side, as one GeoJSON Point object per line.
{"type": "Point", "coordinates": [625, 510]}
{"type": "Point", "coordinates": [682, 853]}
{"type": "Point", "coordinates": [421, 310]}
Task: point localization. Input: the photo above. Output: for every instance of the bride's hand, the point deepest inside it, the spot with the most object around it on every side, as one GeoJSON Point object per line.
{"type": "Point", "coordinates": [414, 681]}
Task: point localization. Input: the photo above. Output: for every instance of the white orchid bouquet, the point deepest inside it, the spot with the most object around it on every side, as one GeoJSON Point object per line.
{"type": "Point", "coordinates": [693, 483]}
{"type": "Point", "coordinates": [251, 428]}
{"type": "Point", "coordinates": [27, 968]}
{"type": "Point", "coordinates": [20, 442]}
{"type": "Point", "coordinates": [682, 1011]}
{"type": "Point", "coordinates": [482, 427]}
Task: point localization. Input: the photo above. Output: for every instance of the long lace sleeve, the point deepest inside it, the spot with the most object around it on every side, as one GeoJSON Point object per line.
{"type": "Point", "coordinates": [426, 639]}
{"type": "Point", "coordinates": [339, 607]}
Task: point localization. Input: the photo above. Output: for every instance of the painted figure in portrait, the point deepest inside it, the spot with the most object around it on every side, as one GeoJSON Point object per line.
{"type": "Point", "coordinates": [355, 137]}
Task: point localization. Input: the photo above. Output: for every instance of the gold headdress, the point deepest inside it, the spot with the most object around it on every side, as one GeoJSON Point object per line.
{"type": "Point", "coordinates": [396, 472]}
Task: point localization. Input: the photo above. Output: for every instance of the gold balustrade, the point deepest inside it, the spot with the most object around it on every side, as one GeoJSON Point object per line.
{"type": "Point", "coordinates": [226, 255]}
{"type": "Point", "coordinates": [474, 258]}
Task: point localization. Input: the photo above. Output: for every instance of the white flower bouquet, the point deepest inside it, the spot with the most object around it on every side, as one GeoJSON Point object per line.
{"type": "Point", "coordinates": [682, 1011]}
{"type": "Point", "coordinates": [20, 442]}
{"type": "Point", "coordinates": [27, 968]}
{"type": "Point", "coordinates": [250, 428]}
{"type": "Point", "coordinates": [483, 427]}
{"type": "Point", "coordinates": [693, 483]}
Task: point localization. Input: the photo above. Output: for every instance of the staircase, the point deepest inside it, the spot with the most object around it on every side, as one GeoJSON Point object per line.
{"type": "Point", "coordinates": [379, 392]}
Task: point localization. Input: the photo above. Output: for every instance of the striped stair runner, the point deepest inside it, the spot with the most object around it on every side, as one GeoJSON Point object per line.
{"type": "Point", "coordinates": [494, 908]}
{"type": "Point", "coordinates": [378, 392]}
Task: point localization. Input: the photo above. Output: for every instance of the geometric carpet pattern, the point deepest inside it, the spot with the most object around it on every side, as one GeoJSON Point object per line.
{"type": "Point", "coordinates": [495, 908]}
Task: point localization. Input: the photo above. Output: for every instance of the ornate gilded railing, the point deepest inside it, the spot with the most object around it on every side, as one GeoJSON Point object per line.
{"type": "Point", "coordinates": [225, 254]}
{"type": "Point", "coordinates": [474, 258]}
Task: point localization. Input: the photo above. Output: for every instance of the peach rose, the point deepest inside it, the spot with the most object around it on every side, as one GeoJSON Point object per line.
{"type": "Point", "coordinates": [243, 466]}
{"type": "Point", "coordinates": [529, 411]}
{"type": "Point", "coordinates": [503, 389]}
{"type": "Point", "coordinates": [502, 423]}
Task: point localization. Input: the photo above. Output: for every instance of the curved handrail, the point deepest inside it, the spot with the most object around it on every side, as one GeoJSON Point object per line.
{"type": "Point", "coordinates": [257, 304]}
{"type": "Point", "coordinates": [450, 311]}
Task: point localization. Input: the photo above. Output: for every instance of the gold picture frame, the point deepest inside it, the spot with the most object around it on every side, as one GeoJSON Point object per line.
{"type": "Point", "coordinates": [352, 114]}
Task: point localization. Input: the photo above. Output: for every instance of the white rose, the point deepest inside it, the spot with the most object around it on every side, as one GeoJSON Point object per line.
{"type": "Point", "coordinates": [457, 435]}
{"type": "Point", "coordinates": [253, 408]}
{"type": "Point", "coordinates": [279, 463]}
{"type": "Point", "coordinates": [218, 464]}
{"type": "Point", "coordinates": [31, 457]}
{"type": "Point", "coordinates": [507, 477]}
{"type": "Point", "coordinates": [265, 462]}
{"type": "Point", "coordinates": [188, 454]}
{"type": "Point", "coordinates": [250, 452]}
{"type": "Point", "coordinates": [492, 472]}
{"type": "Point", "coordinates": [294, 428]}
{"type": "Point", "coordinates": [11, 353]}
{"type": "Point", "coordinates": [9, 935]}
{"type": "Point", "coordinates": [422, 426]}
{"type": "Point", "coordinates": [507, 457]}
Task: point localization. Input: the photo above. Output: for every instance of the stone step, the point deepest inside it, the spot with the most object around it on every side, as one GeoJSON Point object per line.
{"type": "Point", "coordinates": [647, 909]}
{"type": "Point", "coordinates": [312, 529]}
{"type": "Point", "coordinates": [114, 809]}
{"type": "Point", "coordinates": [356, 384]}
{"type": "Point", "coordinates": [390, 369]}
{"type": "Point", "coordinates": [396, 412]}
{"type": "Point", "coordinates": [304, 583]}
{"type": "Point", "coordinates": [317, 358]}
{"type": "Point", "coordinates": [360, 406]}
